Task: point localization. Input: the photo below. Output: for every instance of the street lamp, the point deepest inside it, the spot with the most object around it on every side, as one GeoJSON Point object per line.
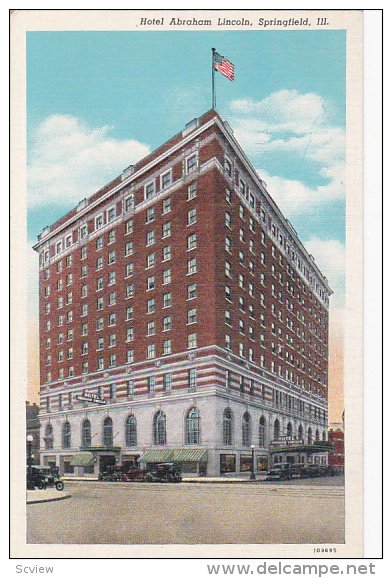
{"type": "Point", "coordinates": [30, 483]}
{"type": "Point", "coordinates": [252, 473]}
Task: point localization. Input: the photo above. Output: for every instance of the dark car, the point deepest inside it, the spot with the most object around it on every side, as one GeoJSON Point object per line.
{"type": "Point", "coordinates": [133, 475]}
{"type": "Point", "coordinates": [298, 471]}
{"type": "Point", "coordinates": [313, 470]}
{"type": "Point", "coordinates": [111, 474]}
{"type": "Point", "coordinates": [164, 472]}
{"type": "Point", "coordinates": [42, 477]}
{"type": "Point", "coordinates": [280, 472]}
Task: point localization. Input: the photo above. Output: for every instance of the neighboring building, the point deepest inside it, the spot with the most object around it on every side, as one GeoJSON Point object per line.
{"type": "Point", "coordinates": [181, 318]}
{"type": "Point", "coordinates": [32, 428]}
{"type": "Point", "coordinates": [336, 438]}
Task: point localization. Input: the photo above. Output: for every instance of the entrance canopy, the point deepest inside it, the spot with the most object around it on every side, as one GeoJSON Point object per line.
{"type": "Point", "coordinates": [83, 459]}
{"type": "Point", "coordinates": [180, 455]}
{"type": "Point", "coordinates": [302, 448]}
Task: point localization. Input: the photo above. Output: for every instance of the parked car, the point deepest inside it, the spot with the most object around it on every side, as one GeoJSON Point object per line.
{"type": "Point", "coordinates": [313, 470]}
{"type": "Point", "coordinates": [133, 475]}
{"type": "Point", "coordinates": [281, 471]}
{"type": "Point", "coordinates": [42, 477]}
{"type": "Point", "coordinates": [164, 472]}
{"type": "Point", "coordinates": [298, 471]}
{"type": "Point", "coordinates": [111, 474]}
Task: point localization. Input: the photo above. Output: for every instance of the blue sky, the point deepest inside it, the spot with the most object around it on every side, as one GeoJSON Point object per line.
{"type": "Point", "coordinates": [98, 101]}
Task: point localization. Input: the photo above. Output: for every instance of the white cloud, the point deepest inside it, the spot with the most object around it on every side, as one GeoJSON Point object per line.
{"type": "Point", "coordinates": [330, 258]}
{"type": "Point", "coordinates": [295, 198]}
{"type": "Point", "coordinates": [71, 160]}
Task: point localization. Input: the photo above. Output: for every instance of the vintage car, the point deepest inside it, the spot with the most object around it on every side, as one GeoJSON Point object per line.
{"type": "Point", "coordinates": [313, 470]}
{"type": "Point", "coordinates": [111, 474]}
{"type": "Point", "coordinates": [163, 472]}
{"type": "Point", "coordinates": [279, 472]}
{"type": "Point", "coordinates": [133, 475]}
{"type": "Point", "coordinates": [42, 477]}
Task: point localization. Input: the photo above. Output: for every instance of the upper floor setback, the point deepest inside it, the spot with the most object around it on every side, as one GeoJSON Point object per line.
{"type": "Point", "coordinates": [179, 159]}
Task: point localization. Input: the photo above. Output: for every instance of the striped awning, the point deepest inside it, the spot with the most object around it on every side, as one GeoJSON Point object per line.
{"type": "Point", "coordinates": [155, 456]}
{"type": "Point", "coordinates": [189, 455]}
{"type": "Point", "coordinates": [82, 459]}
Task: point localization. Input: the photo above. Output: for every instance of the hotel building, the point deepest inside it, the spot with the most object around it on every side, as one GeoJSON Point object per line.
{"type": "Point", "coordinates": [181, 319]}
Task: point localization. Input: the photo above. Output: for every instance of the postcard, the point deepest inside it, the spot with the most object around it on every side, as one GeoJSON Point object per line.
{"type": "Point", "coordinates": [187, 342]}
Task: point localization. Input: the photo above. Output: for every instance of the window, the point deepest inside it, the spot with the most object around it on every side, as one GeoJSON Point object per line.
{"type": "Point", "coordinates": [167, 300]}
{"type": "Point", "coordinates": [151, 351]}
{"type": "Point", "coordinates": [192, 216]}
{"type": "Point", "coordinates": [167, 323]}
{"type": "Point", "coordinates": [84, 290]}
{"type": "Point", "coordinates": [192, 242]}
{"type": "Point", "coordinates": [129, 270]}
{"type": "Point", "coordinates": [192, 291]}
{"type": "Point", "coordinates": [150, 238]}
{"type": "Point", "coordinates": [192, 316]}
{"type": "Point", "coordinates": [191, 163]}
{"type": "Point", "coordinates": [151, 383]}
{"type": "Point", "coordinates": [130, 356]}
{"type": "Point", "coordinates": [228, 292]}
{"type": "Point", "coordinates": [130, 431]}
{"type": "Point", "coordinates": [159, 428]}
{"type": "Point", "coordinates": [192, 266]}
{"type": "Point", "coordinates": [228, 244]}
{"type": "Point", "coordinates": [86, 433]}
{"type": "Point", "coordinates": [149, 190]}
{"type": "Point", "coordinates": [166, 253]}
{"type": "Point", "coordinates": [262, 432]}
{"type": "Point", "coordinates": [227, 269]}
{"type": "Point", "coordinates": [227, 318]}
{"type": "Point", "coordinates": [112, 340]}
{"type": "Point", "coordinates": [241, 281]}
{"type": "Point", "coordinates": [166, 206]}
{"type": "Point", "coordinates": [227, 378]}
{"type": "Point", "coordinates": [129, 313]}
{"type": "Point", "coordinates": [167, 381]}
{"type": "Point", "coordinates": [192, 426]}
{"type": "Point", "coordinates": [112, 278]}
{"type": "Point", "coordinates": [246, 429]}
{"type": "Point", "coordinates": [166, 276]}
{"type": "Point", "coordinates": [192, 341]}
{"type": "Point", "coordinates": [228, 167]}
{"type": "Point", "coordinates": [100, 364]}
{"type": "Point", "coordinates": [48, 436]}
{"type": "Point", "coordinates": [228, 195]}
{"type": "Point", "coordinates": [276, 429]}
{"type": "Point", "coordinates": [166, 230]}
{"type": "Point", "coordinates": [84, 348]}
{"type": "Point", "coordinates": [242, 212]}
{"type": "Point", "coordinates": [192, 191]}
{"type": "Point", "coordinates": [108, 432]}
{"type": "Point", "coordinates": [130, 334]}
{"type": "Point", "coordinates": [129, 248]}
{"type": "Point", "coordinates": [100, 324]}
{"type": "Point", "coordinates": [166, 348]}
{"type": "Point", "coordinates": [66, 437]}
{"type": "Point", "coordinates": [111, 214]}
{"type": "Point", "coordinates": [100, 303]}
{"type": "Point", "coordinates": [100, 343]}
{"type": "Point", "coordinates": [150, 214]}
{"type": "Point", "coordinates": [99, 221]}
{"type": "Point", "coordinates": [228, 219]}
{"type": "Point", "coordinates": [150, 283]}
{"type": "Point", "coordinates": [99, 243]}
{"type": "Point", "coordinates": [112, 257]}
{"type": "Point", "coordinates": [129, 291]}
{"type": "Point", "coordinates": [227, 341]}
{"type": "Point", "coordinates": [151, 328]}
{"type": "Point", "coordinates": [191, 377]}
{"type": "Point", "coordinates": [83, 271]}
{"type": "Point", "coordinates": [99, 263]}
{"type": "Point", "coordinates": [227, 427]}
{"type": "Point", "coordinates": [129, 227]}
{"type": "Point", "coordinates": [129, 203]}
{"type": "Point", "coordinates": [242, 187]}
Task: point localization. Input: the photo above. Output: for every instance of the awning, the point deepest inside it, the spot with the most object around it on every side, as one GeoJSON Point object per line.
{"type": "Point", "coordinates": [82, 459]}
{"type": "Point", "coordinates": [155, 456]}
{"type": "Point", "coordinates": [188, 455]}
{"type": "Point", "coordinates": [304, 448]}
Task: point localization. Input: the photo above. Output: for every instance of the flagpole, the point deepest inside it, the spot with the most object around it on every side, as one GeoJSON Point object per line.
{"type": "Point", "coordinates": [213, 79]}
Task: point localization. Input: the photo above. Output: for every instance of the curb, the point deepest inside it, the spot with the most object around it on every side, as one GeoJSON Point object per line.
{"type": "Point", "coordinates": [57, 499]}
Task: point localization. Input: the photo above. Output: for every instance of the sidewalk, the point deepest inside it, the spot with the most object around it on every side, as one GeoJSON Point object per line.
{"type": "Point", "coordinates": [190, 480]}
{"type": "Point", "coordinates": [48, 495]}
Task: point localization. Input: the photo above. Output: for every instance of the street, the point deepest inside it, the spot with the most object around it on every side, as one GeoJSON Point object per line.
{"type": "Point", "coordinates": [300, 511]}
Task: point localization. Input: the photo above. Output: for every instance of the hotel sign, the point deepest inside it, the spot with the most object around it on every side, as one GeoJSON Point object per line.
{"type": "Point", "coordinates": [92, 398]}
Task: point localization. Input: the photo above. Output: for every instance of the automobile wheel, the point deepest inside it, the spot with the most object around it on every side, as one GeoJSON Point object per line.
{"type": "Point", "coordinates": [59, 486]}
{"type": "Point", "coordinates": [168, 478]}
{"type": "Point", "coordinates": [41, 485]}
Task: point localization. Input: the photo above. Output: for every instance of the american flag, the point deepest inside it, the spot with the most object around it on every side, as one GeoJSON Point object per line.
{"type": "Point", "coordinates": [224, 66]}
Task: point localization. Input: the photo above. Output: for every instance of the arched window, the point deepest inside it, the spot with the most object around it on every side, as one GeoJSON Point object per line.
{"type": "Point", "coordinates": [246, 429]}
{"type": "Point", "coordinates": [192, 427]}
{"type": "Point", "coordinates": [300, 432]}
{"type": "Point", "coordinates": [317, 435]}
{"type": "Point", "coordinates": [48, 437]}
{"type": "Point", "coordinates": [262, 438]}
{"type": "Point", "coordinates": [324, 436]}
{"type": "Point", "coordinates": [159, 428]}
{"type": "Point", "coordinates": [130, 431]}
{"type": "Point", "coordinates": [289, 429]}
{"type": "Point", "coordinates": [108, 432]}
{"type": "Point", "coordinates": [276, 430]}
{"type": "Point", "coordinates": [309, 435]}
{"type": "Point", "coordinates": [67, 435]}
{"type": "Point", "coordinates": [86, 433]}
{"type": "Point", "coordinates": [227, 427]}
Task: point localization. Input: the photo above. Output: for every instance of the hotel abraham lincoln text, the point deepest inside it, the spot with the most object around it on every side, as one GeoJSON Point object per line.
{"type": "Point", "coordinates": [181, 320]}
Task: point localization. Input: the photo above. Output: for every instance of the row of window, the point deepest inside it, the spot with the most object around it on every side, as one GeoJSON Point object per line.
{"type": "Point", "coordinates": [192, 431]}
